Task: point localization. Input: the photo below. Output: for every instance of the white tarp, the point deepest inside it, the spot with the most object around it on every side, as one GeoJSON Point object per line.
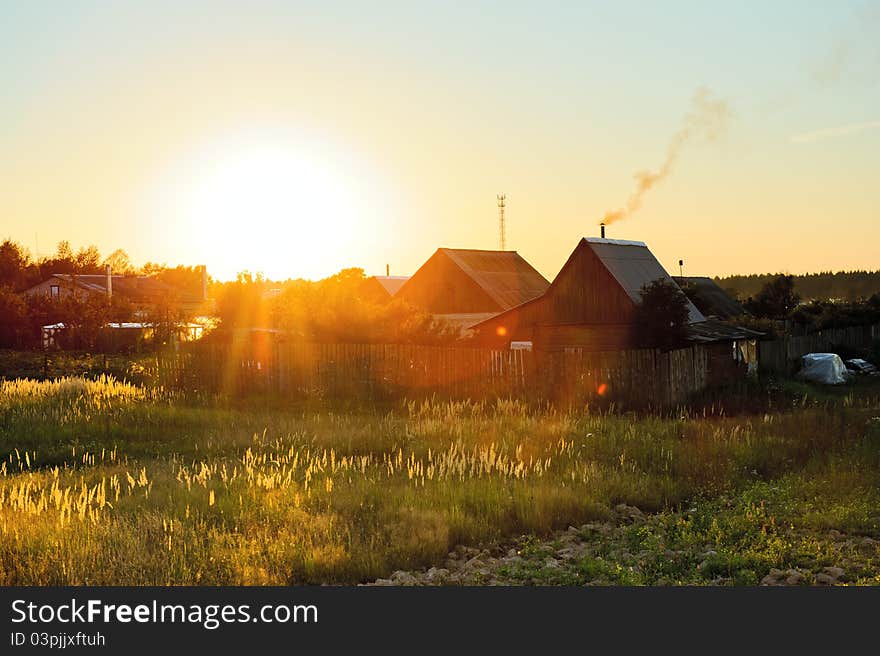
{"type": "Point", "coordinates": [825, 368]}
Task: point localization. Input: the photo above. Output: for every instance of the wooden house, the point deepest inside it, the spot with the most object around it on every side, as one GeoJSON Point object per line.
{"type": "Point", "coordinates": [464, 286]}
{"type": "Point", "coordinates": [142, 291]}
{"type": "Point", "coordinates": [590, 304]}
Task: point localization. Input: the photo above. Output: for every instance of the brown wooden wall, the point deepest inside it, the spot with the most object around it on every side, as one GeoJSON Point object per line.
{"type": "Point", "coordinates": [592, 337]}
{"type": "Point", "coordinates": [583, 292]}
{"type": "Point", "coordinates": [441, 287]}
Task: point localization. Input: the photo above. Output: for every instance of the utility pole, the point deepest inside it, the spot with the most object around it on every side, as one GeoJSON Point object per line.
{"type": "Point", "coordinates": [502, 203]}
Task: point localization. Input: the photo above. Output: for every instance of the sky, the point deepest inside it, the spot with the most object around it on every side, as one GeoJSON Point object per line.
{"type": "Point", "coordinates": [296, 139]}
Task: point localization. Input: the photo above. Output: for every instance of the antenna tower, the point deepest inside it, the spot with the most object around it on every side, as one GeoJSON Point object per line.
{"type": "Point", "coordinates": [502, 203]}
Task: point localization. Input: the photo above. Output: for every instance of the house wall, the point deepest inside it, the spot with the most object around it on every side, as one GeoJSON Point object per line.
{"type": "Point", "coordinates": [584, 302]}
{"type": "Point", "coordinates": [441, 287]}
{"type": "Point", "coordinates": [594, 337]}
{"type": "Point", "coordinates": [65, 289]}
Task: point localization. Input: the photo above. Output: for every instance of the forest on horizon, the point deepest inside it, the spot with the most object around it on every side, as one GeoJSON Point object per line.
{"type": "Point", "coordinates": [825, 285]}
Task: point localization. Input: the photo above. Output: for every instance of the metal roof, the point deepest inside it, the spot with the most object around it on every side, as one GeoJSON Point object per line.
{"type": "Point", "coordinates": [633, 267]}
{"type": "Point", "coordinates": [135, 287]}
{"type": "Point", "coordinates": [715, 301]}
{"type": "Point", "coordinates": [504, 275]}
{"type": "Point", "coordinates": [391, 284]}
{"type": "Point", "coordinates": [712, 330]}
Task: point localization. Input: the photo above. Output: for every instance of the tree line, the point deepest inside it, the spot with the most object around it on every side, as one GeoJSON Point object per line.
{"type": "Point", "coordinates": [823, 286]}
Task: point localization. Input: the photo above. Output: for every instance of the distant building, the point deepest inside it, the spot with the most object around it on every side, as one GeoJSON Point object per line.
{"type": "Point", "coordinates": [139, 290]}
{"type": "Point", "coordinates": [381, 289]}
{"type": "Point", "coordinates": [709, 297]}
{"type": "Point", "coordinates": [465, 286]}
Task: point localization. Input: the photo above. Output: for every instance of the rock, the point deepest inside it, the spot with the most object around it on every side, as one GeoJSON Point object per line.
{"type": "Point", "coordinates": [403, 578]}
{"type": "Point", "coordinates": [628, 512]}
{"type": "Point", "coordinates": [512, 553]}
{"type": "Point", "coordinates": [793, 577]}
{"type": "Point", "coordinates": [834, 572]}
{"type": "Point", "coordinates": [551, 562]}
{"type": "Point", "coordinates": [566, 554]}
{"type": "Point", "coordinates": [825, 579]}
{"type": "Point", "coordinates": [774, 577]}
{"type": "Point", "coordinates": [383, 582]}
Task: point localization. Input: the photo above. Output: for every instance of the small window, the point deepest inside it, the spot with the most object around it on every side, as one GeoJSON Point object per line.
{"type": "Point", "coordinates": [54, 291]}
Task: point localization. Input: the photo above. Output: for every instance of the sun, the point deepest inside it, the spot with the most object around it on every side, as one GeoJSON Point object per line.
{"type": "Point", "coordinates": [281, 207]}
{"type": "Point", "coordinates": [270, 207]}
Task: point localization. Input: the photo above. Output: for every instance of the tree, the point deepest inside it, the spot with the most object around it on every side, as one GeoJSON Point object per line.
{"type": "Point", "coordinates": [13, 318]}
{"type": "Point", "coordinates": [14, 265]}
{"type": "Point", "coordinates": [119, 263]}
{"type": "Point", "coordinates": [88, 260]}
{"type": "Point", "coordinates": [662, 316]}
{"type": "Point", "coordinates": [776, 300]}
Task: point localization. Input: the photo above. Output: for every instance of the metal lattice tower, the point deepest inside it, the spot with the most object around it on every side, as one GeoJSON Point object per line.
{"type": "Point", "coordinates": [502, 202]}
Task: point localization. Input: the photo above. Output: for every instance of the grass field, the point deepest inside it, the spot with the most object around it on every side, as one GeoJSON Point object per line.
{"type": "Point", "coordinates": [104, 482]}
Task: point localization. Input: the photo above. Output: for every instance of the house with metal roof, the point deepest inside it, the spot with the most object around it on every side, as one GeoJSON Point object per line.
{"type": "Point", "coordinates": [591, 304]}
{"type": "Point", "coordinates": [465, 286]}
{"type": "Point", "coordinates": [709, 297]}
{"type": "Point", "coordinates": [142, 291]}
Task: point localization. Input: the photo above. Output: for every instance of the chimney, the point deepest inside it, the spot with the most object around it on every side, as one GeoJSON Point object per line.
{"type": "Point", "coordinates": [108, 282]}
{"type": "Point", "coordinates": [602, 227]}
{"type": "Point", "coordinates": [204, 269]}
{"type": "Point", "coordinates": [387, 270]}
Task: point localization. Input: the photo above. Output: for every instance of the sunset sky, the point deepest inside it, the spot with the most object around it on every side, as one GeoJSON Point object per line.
{"type": "Point", "coordinates": [300, 138]}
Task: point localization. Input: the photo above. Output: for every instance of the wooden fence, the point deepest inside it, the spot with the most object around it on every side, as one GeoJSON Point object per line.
{"type": "Point", "coordinates": [782, 356]}
{"type": "Point", "coordinates": [376, 371]}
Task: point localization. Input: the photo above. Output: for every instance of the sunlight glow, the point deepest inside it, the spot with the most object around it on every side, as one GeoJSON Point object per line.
{"type": "Point", "coordinates": [279, 207]}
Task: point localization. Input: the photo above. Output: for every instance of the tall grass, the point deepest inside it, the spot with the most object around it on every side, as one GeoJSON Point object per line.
{"type": "Point", "coordinates": [107, 483]}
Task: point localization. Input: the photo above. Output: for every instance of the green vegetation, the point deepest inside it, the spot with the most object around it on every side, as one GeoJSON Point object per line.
{"type": "Point", "coordinates": [109, 483]}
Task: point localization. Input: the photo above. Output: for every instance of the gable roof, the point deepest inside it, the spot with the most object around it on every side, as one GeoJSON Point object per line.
{"type": "Point", "coordinates": [504, 275]}
{"type": "Point", "coordinates": [715, 301]}
{"type": "Point", "coordinates": [391, 284]}
{"type": "Point", "coordinates": [136, 288]}
{"type": "Point", "coordinates": [633, 266]}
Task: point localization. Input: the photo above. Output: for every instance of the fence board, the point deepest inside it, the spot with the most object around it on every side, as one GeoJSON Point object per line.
{"type": "Point", "coordinates": [374, 371]}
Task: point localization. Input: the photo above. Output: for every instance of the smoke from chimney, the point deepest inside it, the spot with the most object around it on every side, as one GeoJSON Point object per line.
{"type": "Point", "coordinates": [706, 119]}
